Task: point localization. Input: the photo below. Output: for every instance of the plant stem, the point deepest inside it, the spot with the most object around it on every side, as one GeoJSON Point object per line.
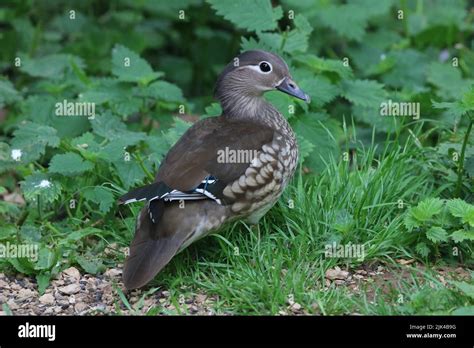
{"type": "Point", "coordinates": [463, 154]}
{"type": "Point", "coordinates": [142, 166]}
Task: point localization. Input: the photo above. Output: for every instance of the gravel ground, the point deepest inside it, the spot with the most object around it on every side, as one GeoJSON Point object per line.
{"type": "Point", "coordinates": [73, 293]}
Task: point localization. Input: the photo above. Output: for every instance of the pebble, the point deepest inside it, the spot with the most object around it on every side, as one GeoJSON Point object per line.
{"type": "Point", "coordinates": [70, 289]}
{"type": "Point", "coordinates": [47, 299]}
{"type": "Point", "coordinates": [72, 272]}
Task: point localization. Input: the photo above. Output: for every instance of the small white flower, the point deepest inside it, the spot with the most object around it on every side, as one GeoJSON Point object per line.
{"type": "Point", "coordinates": [44, 184]}
{"type": "Point", "coordinates": [383, 56]}
{"type": "Point", "coordinates": [16, 154]}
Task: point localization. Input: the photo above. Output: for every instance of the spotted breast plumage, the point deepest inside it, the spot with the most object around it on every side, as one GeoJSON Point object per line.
{"type": "Point", "coordinates": [197, 188]}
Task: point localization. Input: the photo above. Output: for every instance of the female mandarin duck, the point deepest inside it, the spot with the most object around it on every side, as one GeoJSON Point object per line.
{"type": "Point", "coordinates": [215, 191]}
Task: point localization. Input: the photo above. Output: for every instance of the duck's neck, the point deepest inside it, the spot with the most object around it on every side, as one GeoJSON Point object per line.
{"type": "Point", "coordinates": [251, 108]}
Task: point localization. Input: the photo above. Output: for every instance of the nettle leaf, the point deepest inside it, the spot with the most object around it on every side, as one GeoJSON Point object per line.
{"type": "Point", "coordinates": [31, 140]}
{"type": "Point", "coordinates": [437, 234]}
{"type": "Point", "coordinates": [448, 80]}
{"type": "Point", "coordinates": [461, 209]}
{"type": "Point", "coordinates": [283, 102]}
{"type": "Point", "coordinates": [297, 39]}
{"type": "Point", "coordinates": [213, 110]}
{"type": "Point", "coordinates": [409, 70]}
{"type": "Point", "coordinates": [104, 90]}
{"type": "Point", "coordinates": [129, 172]}
{"type": "Point", "coordinates": [366, 93]}
{"type": "Point", "coordinates": [40, 184]}
{"type": "Point", "coordinates": [320, 89]}
{"type": "Point", "coordinates": [8, 93]}
{"type": "Point", "coordinates": [305, 147]}
{"type": "Point", "coordinates": [112, 128]}
{"type": "Point", "coordinates": [163, 90]}
{"type": "Point", "coordinates": [422, 249]}
{"type": "Point", "coordinates": [324, 133]}
{"type": "Point", "coordinates": [8, 157]}
{"type": "Point", "coordinates": [426, 209]}
{"type": "Point", "coordinates": [350, 20]}
{"type": "Point", "coordinates": [252, 15]}
{"type": "Point", "coordinates": [89, 264]}
{"type": "Point", "coordinates": [101, 196]}
{"type": "Point", "coordinates": [462, 235]}
{"type": "Point", "coordinates": [129, 67]}
{"type": "Point", "coordinates": [51, 66]}
{"type": "Point", "coordinates": [410, 222]}
{"type": "Point", "coordinates": [319, 65]}
{"type": "Point", "coordinates": [69, 164]}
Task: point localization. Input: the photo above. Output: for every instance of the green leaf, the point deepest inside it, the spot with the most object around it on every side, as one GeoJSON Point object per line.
{"type": "Point", "coordinates": [462, 209]}
{"type": "Point", "coordinates": [50, 66]}
{"type": "Point", "coordinates": [129, 67]}
{"type": "Point", "coordinates": [43, 279]}
{"type": "Point", "coordinates": [422, 249]}
{"type": "Point", "coordinates": [46, 259]}
{"type": "Point", "coordinates": [129, 172]}
{"type": "Point", "coordinates": [8, 93]}
{"type": "Point", "coordinates": [31, 140]}
{"type": "Point", "coordinates": [319, 65]}
{"type": "Point", "coordinates": [305, 147]}
{"type": "Point", "coordinates": [462, 235]}
{"type": "Point", "coordinates": [112, 128]}
{"type": "Point", "coordinates": [92, 266]}
{"type": "Point", "coordinates": [366, 93]}
{"type": "Point", "coordinates": [297, 39]}
{"type": "Point", "coordinates": [101, 196]}
{"type": "Point", "coordinates": [8, 158]}
{"type": "Point", "coordinates": [39, 184]}
{"type": "Point", "coordinates": [348, 20]}
{"type": "Point", "coordinates": [324, 133]}
{"type": "Point", "coordinates": [437, 234]}
{"type": "Point", "coordinates": [410, 222]}
{"type": "Point", "coordinates": [252, 15]}
{"type": "Point", "coordinates": [69, 164]}
{"type": "Point", "coordinates": [448, 80]}
{"type": "Point", "coordinates": [82, 233]}
{"type": "Point", "coordinates": [320, 89]}
{"type": "Point", "coordinates": [466, 288]}
{"type": "Point", "coordinates": [163, 90]}
{"type": "Point", "coordinates": [426, 209]}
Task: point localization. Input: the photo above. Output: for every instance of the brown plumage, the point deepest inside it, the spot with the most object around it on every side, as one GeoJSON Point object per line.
{"type": "Point", "coordinates": [195, 191]}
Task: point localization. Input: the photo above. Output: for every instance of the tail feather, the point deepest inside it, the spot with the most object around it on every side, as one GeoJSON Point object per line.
{"type": "Point", "coordinates": [155, 244]}
{"type": "Point", "coordinates": [150, 251]}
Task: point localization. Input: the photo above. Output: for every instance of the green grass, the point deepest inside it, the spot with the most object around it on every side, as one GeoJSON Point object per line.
{"type": "Point", "coordinates": [255, 270]}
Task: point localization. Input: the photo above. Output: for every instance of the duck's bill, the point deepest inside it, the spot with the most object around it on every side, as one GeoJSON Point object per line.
{"type": "Point", "coordinates": [288, 86]}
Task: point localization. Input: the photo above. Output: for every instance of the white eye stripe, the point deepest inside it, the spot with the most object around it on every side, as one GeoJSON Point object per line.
{"type": "Point", "coordinates": [258, 67]}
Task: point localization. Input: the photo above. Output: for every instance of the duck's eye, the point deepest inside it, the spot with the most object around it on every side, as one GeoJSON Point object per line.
{"type": "Point", "coordinates": [265, 67]}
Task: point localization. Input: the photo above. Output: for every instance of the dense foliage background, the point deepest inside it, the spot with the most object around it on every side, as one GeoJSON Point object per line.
{"type": "Point", "coordinates": [402, 186]}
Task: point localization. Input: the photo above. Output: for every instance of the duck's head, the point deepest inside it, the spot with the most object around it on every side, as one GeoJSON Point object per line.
{"type": "Point", "coordinates": [253, 73]}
